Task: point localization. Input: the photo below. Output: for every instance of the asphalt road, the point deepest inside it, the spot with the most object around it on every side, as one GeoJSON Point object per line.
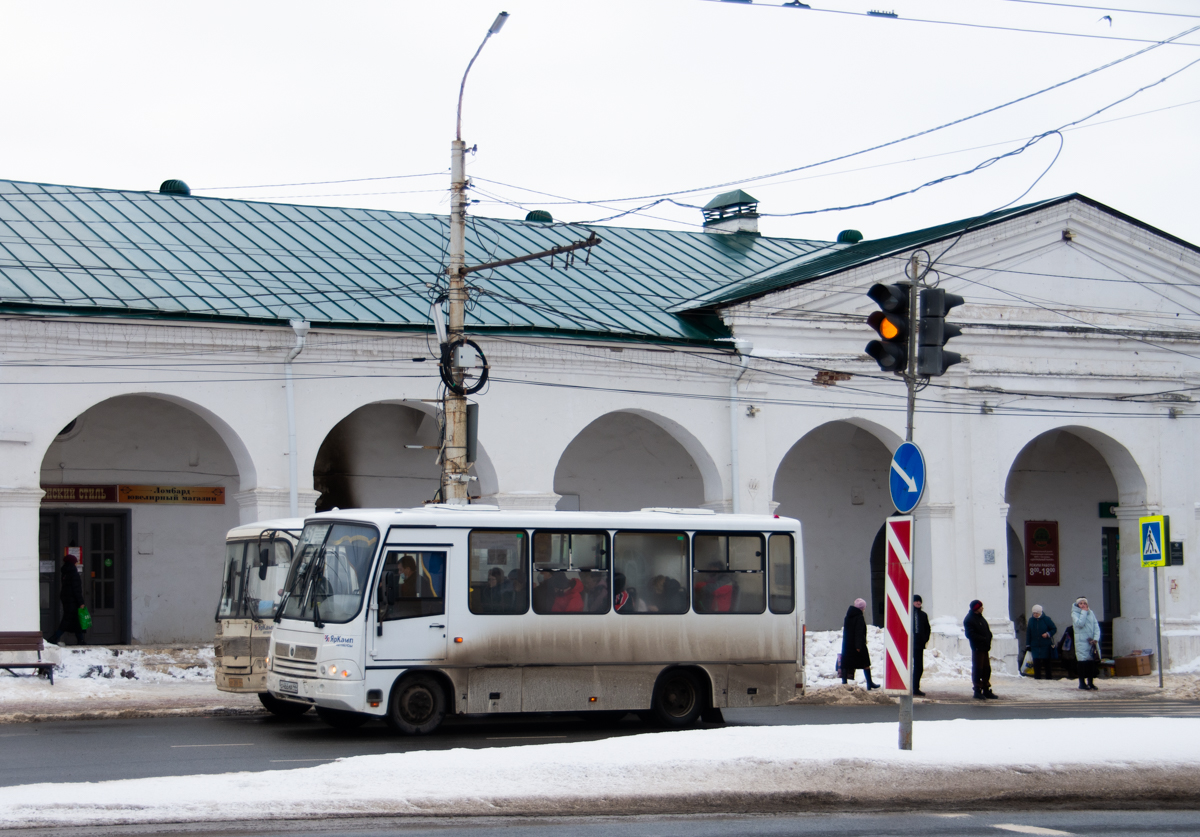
{"type": "Point", "coordinates": [999, 824]}
{"type": "Point", "coordinates": [92, 751]}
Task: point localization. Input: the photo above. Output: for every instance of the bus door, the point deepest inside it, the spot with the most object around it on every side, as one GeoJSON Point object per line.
{"type": "Point", "coordinates": [410, 603]}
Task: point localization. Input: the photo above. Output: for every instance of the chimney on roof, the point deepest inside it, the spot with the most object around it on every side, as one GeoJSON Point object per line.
{"type": "Point", "coordinates": [731, 212]}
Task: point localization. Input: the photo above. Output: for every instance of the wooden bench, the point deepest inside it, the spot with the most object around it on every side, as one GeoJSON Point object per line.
{"type": "Point", "coordinates": [25, 641]}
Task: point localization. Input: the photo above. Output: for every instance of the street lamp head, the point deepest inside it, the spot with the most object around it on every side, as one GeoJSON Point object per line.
{"type": "Point", "coordinates": [498, 23]}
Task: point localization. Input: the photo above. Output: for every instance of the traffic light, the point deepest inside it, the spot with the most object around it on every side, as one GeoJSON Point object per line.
{"type": "Point", "coordinates": [934, 331]}
{"type": "Point", "coordinates": [892, 323]}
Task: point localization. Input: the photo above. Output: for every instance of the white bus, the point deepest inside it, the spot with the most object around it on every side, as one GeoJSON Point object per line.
{"type": "Point", "coordinates": [258, 557]}
{"type": "Point", "coordinates": [410, 614]}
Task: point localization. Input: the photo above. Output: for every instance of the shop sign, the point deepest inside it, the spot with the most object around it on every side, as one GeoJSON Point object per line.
{"type": "Point", "coordinates": [202, 495]}
{"type": "Point", "coordinates": [80, 494]}
{"type": "Point", "coordinates": [195, 495]}
{"type": "Point", "coordinates": [1041, 553]}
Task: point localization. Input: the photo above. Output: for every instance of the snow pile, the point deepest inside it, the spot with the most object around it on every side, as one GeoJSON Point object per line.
{"type": "Point", "coordinates": [822, 648]}
{"type": "Point", "coordinates": [148, 665]}
{"type": "Point", "coordinates": [1187, 668]}
{"type": "Point", "coordinates": [690, 765]}
{"type": "Point", "coordinates": [93, 680]}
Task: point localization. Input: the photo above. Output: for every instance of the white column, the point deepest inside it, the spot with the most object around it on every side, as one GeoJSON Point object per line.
{"type": "Point", "coordinates": [1134, 628]}
{"type": "Point", "coordinates": [272, 504]}
{"type": "Point", "coordinates": [19, 607]}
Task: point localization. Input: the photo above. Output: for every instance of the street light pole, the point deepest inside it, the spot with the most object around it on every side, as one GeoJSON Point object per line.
{"type": "Point", "coordinates": [454, 406]}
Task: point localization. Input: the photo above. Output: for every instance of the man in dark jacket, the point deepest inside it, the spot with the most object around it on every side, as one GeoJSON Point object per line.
{"type": "Point", "coordinates": [854, 644]}
{"type": "Point", "coordinates": [70, 593]}
{"type": "Point", "coordinates": [979, 634]}
{"type": "Point", "coordinates": [921, 633]}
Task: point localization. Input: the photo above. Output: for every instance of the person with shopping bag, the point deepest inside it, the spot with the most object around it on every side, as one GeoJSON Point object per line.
{"type": "Point", "coordinates": [1039, 639]}
{"type": "Point", "coordinates": [1087, 643]}
{"type": "Point", "coordinates": [70, 593]}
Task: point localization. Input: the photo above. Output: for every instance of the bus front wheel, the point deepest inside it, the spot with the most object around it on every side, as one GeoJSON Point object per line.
{"type": "Point", "coordinates": [678, 698]}
{"type": "Point", "coordinates": [418, 705]}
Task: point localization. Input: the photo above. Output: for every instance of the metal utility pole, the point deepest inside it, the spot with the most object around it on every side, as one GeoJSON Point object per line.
{"type": "Point", "coordinates": [454, 452]}
{"type": "Point", "coordinates": [454, 406]}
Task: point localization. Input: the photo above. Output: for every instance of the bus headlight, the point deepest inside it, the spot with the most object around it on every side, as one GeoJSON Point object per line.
{"type": "Point", "coordinates": [339, 670]}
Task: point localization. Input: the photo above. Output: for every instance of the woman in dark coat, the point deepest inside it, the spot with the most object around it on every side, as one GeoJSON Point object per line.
{"type": "Point", "coordinates": [854, 644]}
{"type": "Point", "coordinates": [1039, 639]}
{"type": "Point", "coordinates": [70, 593]}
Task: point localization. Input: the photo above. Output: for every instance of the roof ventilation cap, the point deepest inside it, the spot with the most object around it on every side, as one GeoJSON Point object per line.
{"type": "Point", "coordinates": [174, 187]}
{"type": "Point", "coordinates": [849, 237]}
{"type": "Point", "coordinates": [731, 212]}
{"type": "Point", "coordinates": [540, 216]}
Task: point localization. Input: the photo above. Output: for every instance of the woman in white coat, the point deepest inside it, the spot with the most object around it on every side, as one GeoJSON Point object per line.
{"type": "Point", "coordinates": [1087, 643]}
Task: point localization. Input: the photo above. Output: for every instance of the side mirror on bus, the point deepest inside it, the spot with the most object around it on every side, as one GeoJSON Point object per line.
{"type": "Point", "coordinates": [263, 557]}
{"type": "Point", "coordinates": [391, 586]}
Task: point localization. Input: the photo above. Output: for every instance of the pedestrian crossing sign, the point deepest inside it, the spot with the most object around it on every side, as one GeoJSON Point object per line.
{"type": "Point", "coordinates": [1155, 537]}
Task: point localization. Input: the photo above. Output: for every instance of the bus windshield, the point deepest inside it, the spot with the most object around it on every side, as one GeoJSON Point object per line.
{"type": "Point", "coordinates": [255, 571]}
{"type": "Point", "coordinates": [329, 575]}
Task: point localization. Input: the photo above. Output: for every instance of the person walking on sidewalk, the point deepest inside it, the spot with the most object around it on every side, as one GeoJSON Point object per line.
{"type": "Point", "coordinates": [1087, 643]}
{"type": "Point", "coordinates": [979, 634]}
{"type": "Point", "coordinates": [921, 633]}
{"type": "Point", "coordinates": [70, 593]}
{"type": "Point", "coordinates": [1039, 639]}
{"type": "Point", "coordinates": [854, 644]}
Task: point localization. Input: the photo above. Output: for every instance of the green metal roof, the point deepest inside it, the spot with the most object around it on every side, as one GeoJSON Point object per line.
{"type": "Point", "coordinates": [839, 257]}
{"type": "Point", "coordinates": [67, 250]}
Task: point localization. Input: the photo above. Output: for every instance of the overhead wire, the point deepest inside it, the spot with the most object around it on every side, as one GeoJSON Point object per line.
{"type": "Point", "coordinates": [889, 143]}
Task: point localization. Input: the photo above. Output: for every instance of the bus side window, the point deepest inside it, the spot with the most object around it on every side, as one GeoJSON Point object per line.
{"type": "Point", "coordinates": [570, 572]}
{"type": "Point", "coordinates": [783, 574]}
{"type": "Point", "coordinates": [650, 572]}
{"type": "Point", "coordinates": [727, 574]}
{"type": "Point", "coordinates": [498, 575]}
{"type": "Point", "coordinates": [412, 584]}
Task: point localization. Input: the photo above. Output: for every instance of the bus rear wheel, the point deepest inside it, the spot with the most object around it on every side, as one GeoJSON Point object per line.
{"type": "Point", "coordinates": [677, 699]}
{"type": "Point", "coordinates": [418, 705]}
{"type": "Point", "coordinates": [341, 719]}
{"type": "Point", "coordinates": [282, 708]}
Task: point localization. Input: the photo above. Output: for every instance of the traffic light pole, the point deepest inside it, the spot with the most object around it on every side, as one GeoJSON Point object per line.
{"type": "Point", "coordinates": [910, 379]}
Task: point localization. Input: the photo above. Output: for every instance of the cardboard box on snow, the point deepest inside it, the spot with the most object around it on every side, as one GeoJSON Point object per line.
{"type": "Point", "coordinates": [1133, 666]}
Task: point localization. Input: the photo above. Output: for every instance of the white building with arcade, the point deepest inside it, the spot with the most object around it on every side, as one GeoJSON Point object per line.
{"type": "Point", "coordinates": [149, 344]}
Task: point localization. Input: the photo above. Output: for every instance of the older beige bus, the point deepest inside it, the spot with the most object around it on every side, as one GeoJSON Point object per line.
{"type": "Point", "coordinates": [257, 559]}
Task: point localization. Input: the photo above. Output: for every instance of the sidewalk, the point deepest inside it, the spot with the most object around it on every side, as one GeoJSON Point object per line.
{"type": "Point", "coordinates": [133, 681]}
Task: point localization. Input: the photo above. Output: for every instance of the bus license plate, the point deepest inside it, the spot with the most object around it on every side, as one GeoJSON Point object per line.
{"type": "Point", "coordinates": [289, 686]}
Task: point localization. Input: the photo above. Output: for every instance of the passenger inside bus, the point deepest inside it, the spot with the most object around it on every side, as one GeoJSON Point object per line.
{"type": "Point", "coordinates": [652, 562]}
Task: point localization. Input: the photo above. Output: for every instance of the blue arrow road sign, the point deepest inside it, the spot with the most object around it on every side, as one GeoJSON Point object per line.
{"type": "Point", "coordinates": [907, 482]}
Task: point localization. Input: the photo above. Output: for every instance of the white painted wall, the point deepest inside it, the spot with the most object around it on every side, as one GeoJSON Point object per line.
{"type": "Point", "coordinates": [136, 440]}
{"type": "Point", "coordinates": [835, 481]}
{"type": "Point", "coordinates": [623, 462]}
{"type": "Point", "coordinates": [1061, 477]}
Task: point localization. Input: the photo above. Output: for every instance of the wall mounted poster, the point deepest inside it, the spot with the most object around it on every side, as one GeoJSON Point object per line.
{"type": "Point", "coordinates": [1041, 553]}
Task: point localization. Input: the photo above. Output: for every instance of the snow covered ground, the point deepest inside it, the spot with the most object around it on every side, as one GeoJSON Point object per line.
{"type": "Point", "coordinates": [752, 766]}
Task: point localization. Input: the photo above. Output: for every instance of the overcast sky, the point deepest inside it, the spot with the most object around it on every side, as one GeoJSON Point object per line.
{"type": "Point", "coordinates": [597, 101]}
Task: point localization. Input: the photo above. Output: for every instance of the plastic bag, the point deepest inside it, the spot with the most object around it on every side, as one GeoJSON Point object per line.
{"type": "Point", "coordinates": [837, 666]}
{"type": "Point", "coordinates": [85, 618]}
{"type": "Point", "coordinates": [1027, 663]}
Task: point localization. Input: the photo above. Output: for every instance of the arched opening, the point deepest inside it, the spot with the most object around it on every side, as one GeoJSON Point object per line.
{"type": "Point", "coordinates": [623, 462]}
{"type": "Point", "coordinates": [147, 549]}
{"type": "Point", "coordinates": [835, 481]}
{"type": "Point", "coordinates": [380, 456]}
{"type": "Point", "coordinates": [1060, 490]}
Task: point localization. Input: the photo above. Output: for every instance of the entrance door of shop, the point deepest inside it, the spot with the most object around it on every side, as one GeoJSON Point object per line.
{"type": "Point", "coordinates": [103, 568]}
